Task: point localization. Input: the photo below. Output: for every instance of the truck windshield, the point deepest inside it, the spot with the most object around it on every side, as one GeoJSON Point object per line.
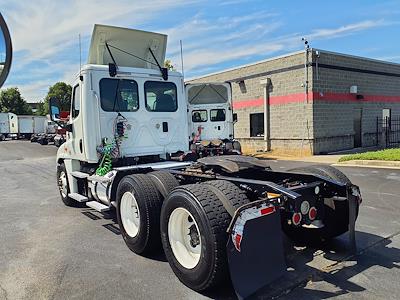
{"type": "Point", "coordinates": [207, 94]}
{"type": "Point", "coordinates": [160, 96]}
{"type": "Point", "coordinates": [199, 116]}
{"type": "Point", "coordinates": [119, 95]}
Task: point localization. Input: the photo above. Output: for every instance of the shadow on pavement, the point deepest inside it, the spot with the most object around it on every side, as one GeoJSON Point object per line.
{"type": "Point", "coordinates": [330, 264]}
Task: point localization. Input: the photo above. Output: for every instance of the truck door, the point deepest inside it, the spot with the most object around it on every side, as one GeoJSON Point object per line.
{"type": "Point", "coordinates": [76, 136]}
{"type": "Point", "coordinates": [210, 111]}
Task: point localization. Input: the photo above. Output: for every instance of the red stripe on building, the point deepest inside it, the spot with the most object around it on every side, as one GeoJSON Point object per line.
{"type": "Point", "coordinates": [315, 96]}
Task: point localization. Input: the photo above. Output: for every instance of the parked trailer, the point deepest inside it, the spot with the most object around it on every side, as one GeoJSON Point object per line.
{"type": "Point", "coordinates": [29, 125]}
{"type": "Point", "coordinates": [217, 218]}
{"type": "Point", "coordinates": [8, 125]}
{"type": "Point", "coordinates": [4, 126]}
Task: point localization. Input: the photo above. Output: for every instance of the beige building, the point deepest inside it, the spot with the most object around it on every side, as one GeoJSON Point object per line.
{"type": "Point", "coordinates": [311, 102]}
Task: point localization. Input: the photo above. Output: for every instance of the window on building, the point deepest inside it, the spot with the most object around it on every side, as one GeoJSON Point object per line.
{"type": "Point", "coordinates": [217, 115]}
{"type": "Point", "coordinates": [160, 96]}
{"type": "Point", "coordinates": [199, 116]}
{"type": "Point", "coordinates": [76, 101]}
{"type": "Point", "coordinates": [119, 95]}
{"type": "Point", "coordinates": [257, 125]}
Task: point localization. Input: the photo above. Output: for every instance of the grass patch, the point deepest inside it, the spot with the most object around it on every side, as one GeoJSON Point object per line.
{"type": "Point", "coordinates": [387, 154]}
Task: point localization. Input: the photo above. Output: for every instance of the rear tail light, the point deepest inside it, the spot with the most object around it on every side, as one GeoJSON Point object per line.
{"type": "Point", "coordinates": [296, 219]}
{"type": "Point", "coordinates": [312, 214]}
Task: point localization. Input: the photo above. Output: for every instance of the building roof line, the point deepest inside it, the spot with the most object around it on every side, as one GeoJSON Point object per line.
{"type": "Point", "coordinates": [291, 54]}
{"type": "Point", "coordinates": [246, 65]}
{"type": "Point", "coordinates": [358, 57]}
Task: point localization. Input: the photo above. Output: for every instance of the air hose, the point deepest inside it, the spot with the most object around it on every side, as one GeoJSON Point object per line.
{"type": "Point", "coordinates": [108, 150]}
{"type": "Point", "coordinates": [111, 150]}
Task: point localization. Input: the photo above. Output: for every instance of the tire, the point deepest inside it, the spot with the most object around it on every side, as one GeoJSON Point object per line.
{"type": "Point", "coordinates": [229, 191]}
{"type": "Point", "coordinates": [42, 141]}
{"type": "Point", "coordinates": [336, 220]}
{"type": "Point", "coordinates": [324, 170]}
{"type": "Point", "coordinates": [141, 228]}
{"type": "Point", "coordinates": [164, 181]}
{"type": "Point", "coordinates": [237, 146]}
{"type": "Point", "coordinates": [208, 266]}
{"type": "Point", "coordinates": [63, 186]}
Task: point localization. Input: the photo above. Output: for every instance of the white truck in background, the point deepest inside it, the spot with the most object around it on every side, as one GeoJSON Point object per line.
{"type": "Point", "coordinates": [211, 119]}
{"type": "Point", "coordinates": [8, 125]}
{"type": "Point", "coordinates": [29, 125]}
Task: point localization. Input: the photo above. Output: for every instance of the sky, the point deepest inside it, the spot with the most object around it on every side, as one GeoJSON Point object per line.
{"type": "Point", "coordinates": [215, 34]}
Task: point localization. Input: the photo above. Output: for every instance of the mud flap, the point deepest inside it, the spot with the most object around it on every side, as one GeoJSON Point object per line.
{"type": "Point", "coordinates": [255, 249]}
{"type": "Point", "coordinates": [354, 199]}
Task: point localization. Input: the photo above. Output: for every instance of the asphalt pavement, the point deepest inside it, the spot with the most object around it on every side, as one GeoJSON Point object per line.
{"type": "Point", "coordinates": [50, 251]}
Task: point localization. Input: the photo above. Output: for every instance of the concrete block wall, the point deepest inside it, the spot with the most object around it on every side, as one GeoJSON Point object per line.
{"type": "Point", "coordinates": [324, 120]}
{"type": "Point", "coordinates": [334, 106]}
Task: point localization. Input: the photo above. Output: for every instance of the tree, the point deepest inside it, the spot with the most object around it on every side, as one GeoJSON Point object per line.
{"type": "Point", "coordinates": [62, 91]}
{"type": "Point", "coordinates": [168, 64]}
{"type": "Point", "coordinates": [12, 101]}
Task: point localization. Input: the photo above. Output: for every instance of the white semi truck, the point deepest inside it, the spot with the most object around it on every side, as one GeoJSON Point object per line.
{"type": "Point", "coordinates": [211, 119]}
{"type": "Point", "coordinates": [216, 218]}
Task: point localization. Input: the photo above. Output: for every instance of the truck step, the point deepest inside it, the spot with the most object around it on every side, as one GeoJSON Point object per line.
{"type": "Point", "coordinates": [80, 175]}
{"type": "Point", "coordinates": [98, 178]}
{"type": "Point", "coordinates": [97, 206]}
{"type": "Point", "coordinates": [78, 197]}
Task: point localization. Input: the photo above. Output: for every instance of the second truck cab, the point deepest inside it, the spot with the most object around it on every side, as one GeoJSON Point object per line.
{"type": "Point", "coordinates": [210, 118]}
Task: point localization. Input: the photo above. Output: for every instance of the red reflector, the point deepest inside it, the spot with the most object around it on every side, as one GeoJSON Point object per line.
{"type": "Point", "coordinates": [238, 240]}
{"type": "Point", "coordinates": [296, 219]}
{"type": "Point", "coordinates": [267, 210]}
{"type": "Point", "coordinates": [312, 214]}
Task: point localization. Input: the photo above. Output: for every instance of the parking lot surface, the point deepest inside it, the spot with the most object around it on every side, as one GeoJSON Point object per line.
{"type": "Point", "coordinates": [50, 251]}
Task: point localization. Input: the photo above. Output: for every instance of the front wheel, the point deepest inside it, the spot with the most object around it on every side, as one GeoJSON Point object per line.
{"type": "Point", "coordinates": [63, 186]}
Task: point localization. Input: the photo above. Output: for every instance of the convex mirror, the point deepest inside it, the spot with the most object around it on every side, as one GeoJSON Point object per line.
{"type": "Point", "coordinates": [5, 51]}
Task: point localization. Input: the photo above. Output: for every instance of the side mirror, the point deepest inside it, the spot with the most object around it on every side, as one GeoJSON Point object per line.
{"type": "Point", "coordinates": [235, 119]}
{"type": "Point", "coordinates": [54, 109]}
{"type": "Point", "coordinates": [5, 51]}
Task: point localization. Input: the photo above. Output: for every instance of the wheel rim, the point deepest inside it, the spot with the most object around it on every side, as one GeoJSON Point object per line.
{"type": "Point", "coordinates": [184, 238]}
{"type": "Point", "coordinates": [62, 184]}
{"type": "Point", "coordinates": [130, 214]}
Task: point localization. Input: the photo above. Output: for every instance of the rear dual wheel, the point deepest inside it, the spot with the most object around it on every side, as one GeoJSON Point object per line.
{"type": "Point", "coordinates": [193, 232]}
{"type": "Point", "coordinates": [139, 201]}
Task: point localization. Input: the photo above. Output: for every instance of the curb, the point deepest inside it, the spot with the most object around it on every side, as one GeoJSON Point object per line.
{"type": "Point", "coordinates": [370, 164]}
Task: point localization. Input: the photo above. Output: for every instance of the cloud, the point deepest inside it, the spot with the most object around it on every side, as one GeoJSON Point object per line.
{"type": "Point", "coordinates": [45, 34]}
{"type": "Point", "coordinates": [346, 30]}
{"type": "Point", "coordinates": [216, 53]}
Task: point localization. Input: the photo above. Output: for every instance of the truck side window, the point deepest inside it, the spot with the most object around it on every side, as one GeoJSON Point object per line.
{"type": "Point", "coordinates": [217, 115]}
{"type": "Point", "coordinates": [160, 96]}
{"type": "Point", "coordinates": [76, 101]}
{"type": "Point", "coordinates": [119, 95]}
{"type": "Point", "coordinates": [199, 116]}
